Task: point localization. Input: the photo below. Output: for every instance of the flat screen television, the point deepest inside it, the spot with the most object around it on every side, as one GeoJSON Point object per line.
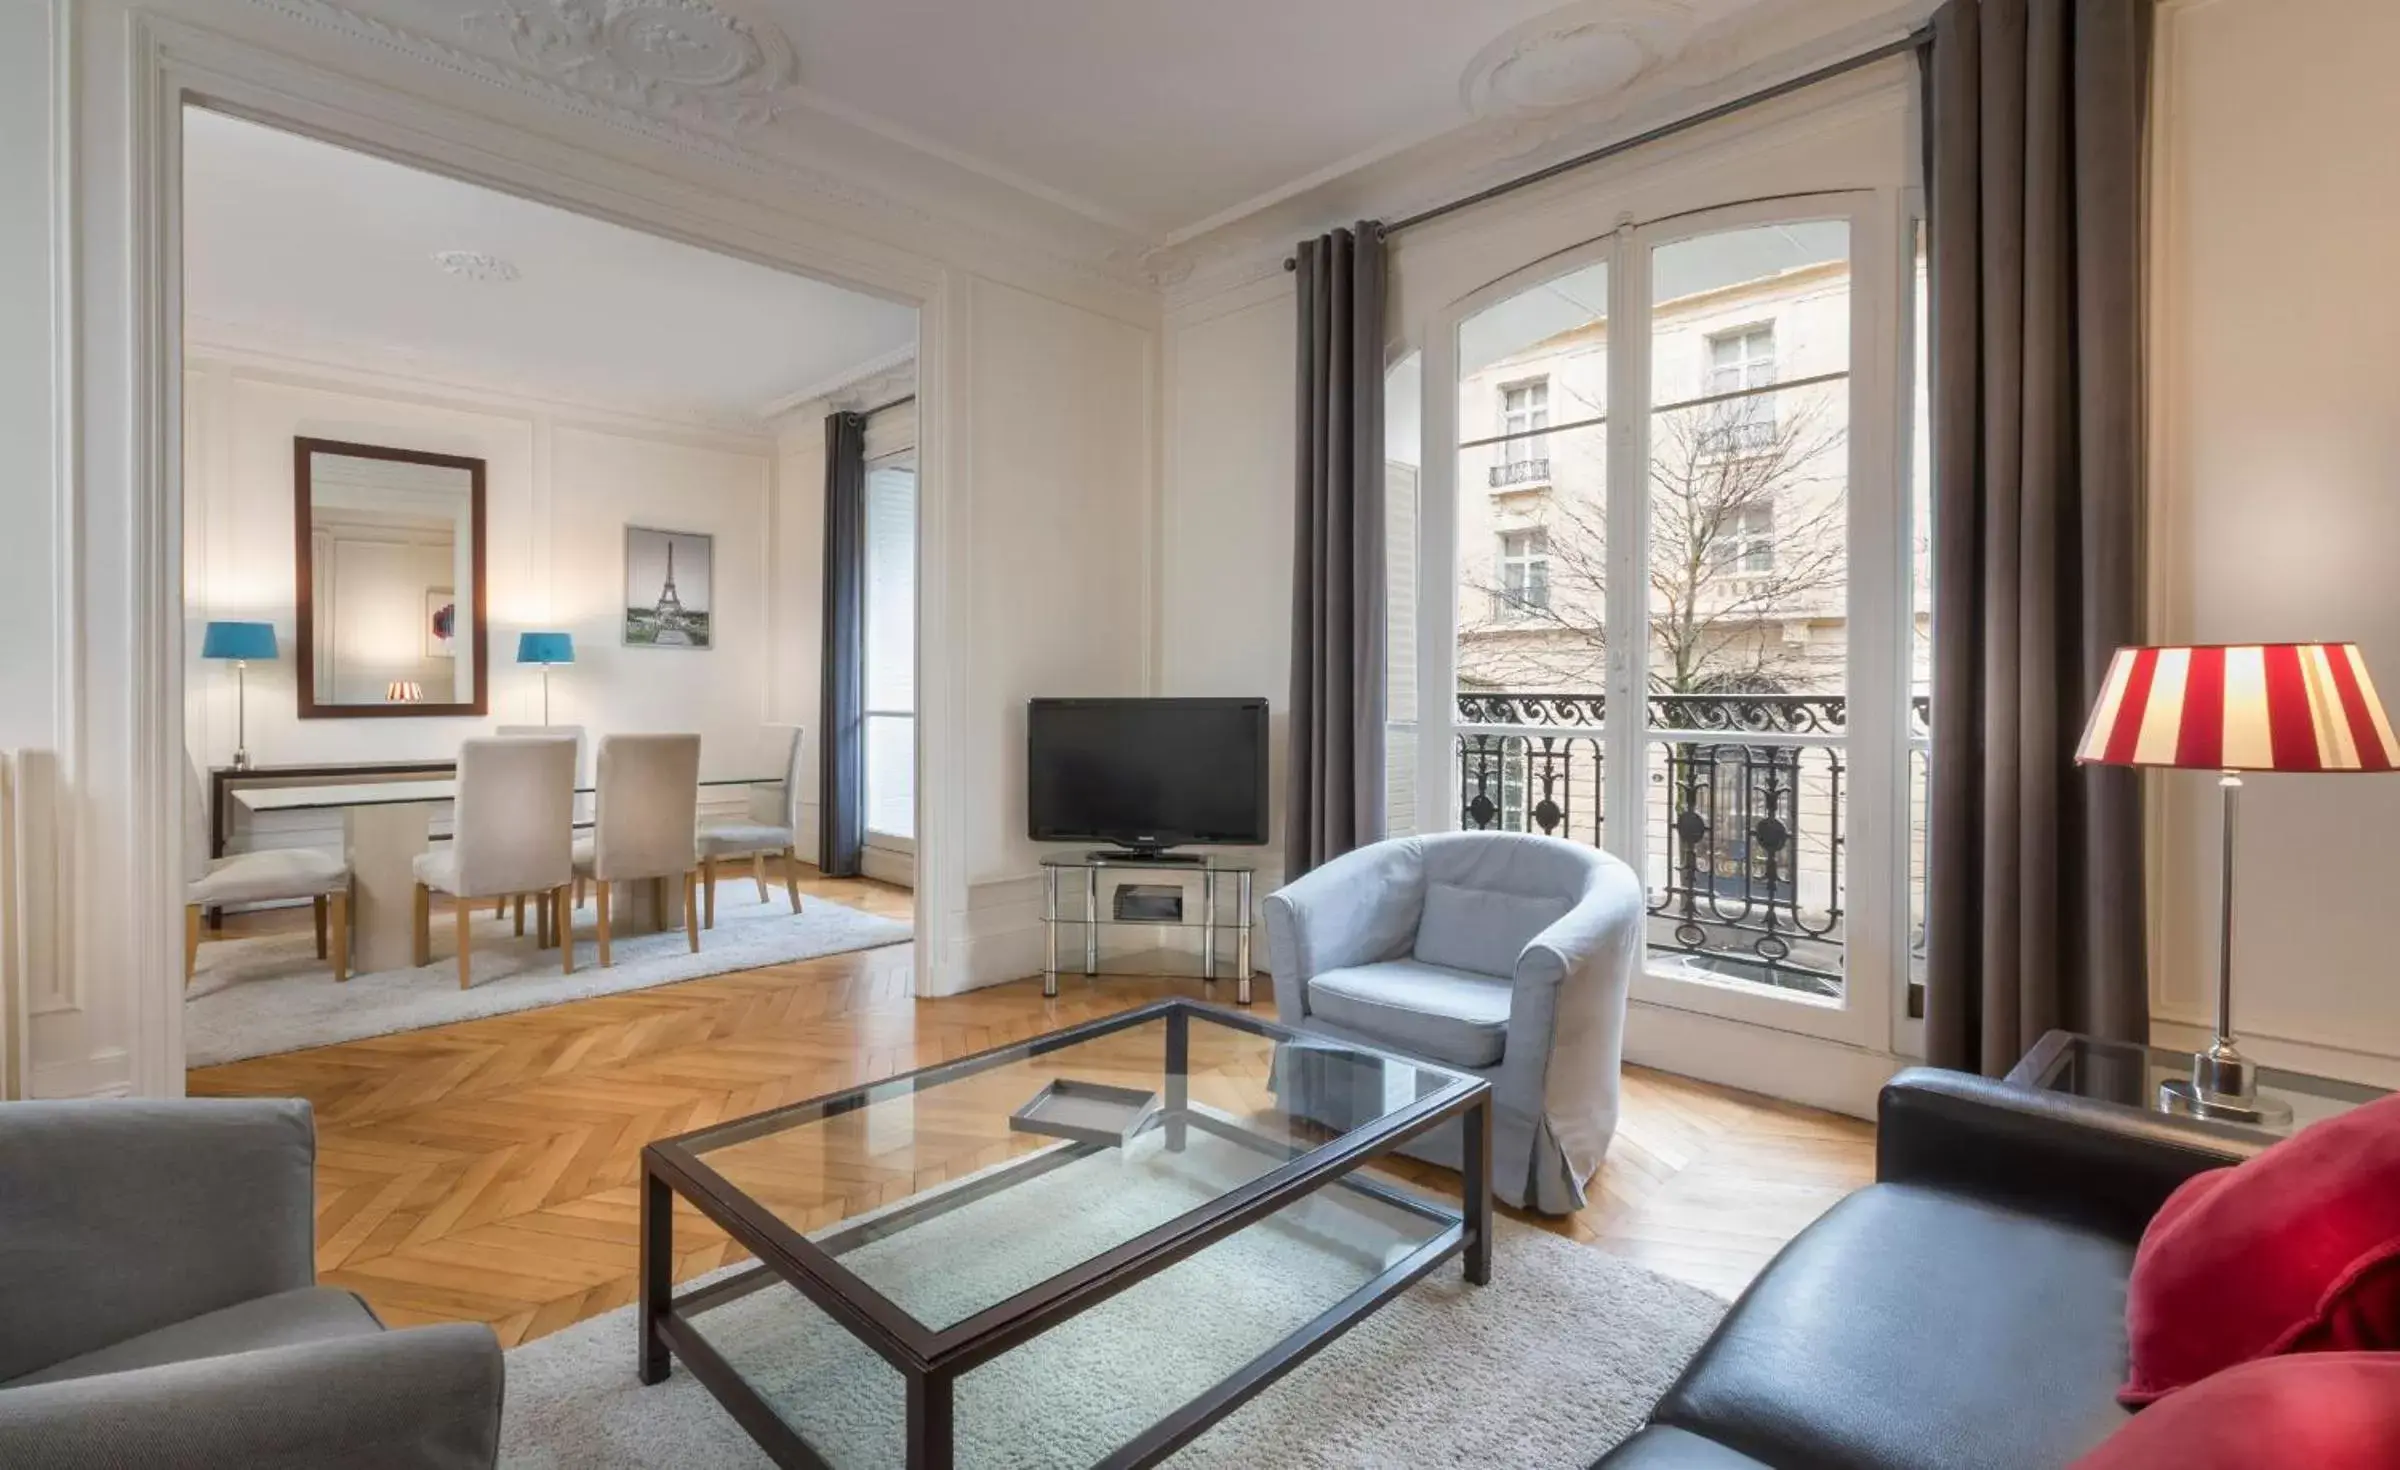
{"type": "Point", "coordinates": [1147, 774]}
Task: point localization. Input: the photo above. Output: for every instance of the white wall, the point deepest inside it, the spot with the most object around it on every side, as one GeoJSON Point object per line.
{"type": "Point", "coordinates": [560, 488]}
{"type": "Point", "coordinates": [1225, 524]}
{"type": "Point", "coordinates": [2276, 484]}
{"type": "Point", "coordinates": [1059, 448]}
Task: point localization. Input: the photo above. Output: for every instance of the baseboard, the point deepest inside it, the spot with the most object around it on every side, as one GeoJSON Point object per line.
{"type": "Point", "coordinates": [897, 868]}
{"type": "Point", "coordinates": [105, 1073]}
{"type": "Point", "coordinates": [1780, 1064]}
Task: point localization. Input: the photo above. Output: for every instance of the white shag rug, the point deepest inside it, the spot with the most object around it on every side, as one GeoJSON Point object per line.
{"type": "Point", "coordinates": [1546, 1368]}
{"type": "Point", "coordinates": [255, 997]}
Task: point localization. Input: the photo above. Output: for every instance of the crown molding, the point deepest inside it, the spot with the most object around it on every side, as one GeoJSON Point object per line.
{"type": "Point", "coordinates": [877, 380]}
{"type": "Point", "coordinates": [395, 372]}
{"type": "Point", "coordinates": [717, 79]}
{"type": "Point", "coordinates": [1580, 78]}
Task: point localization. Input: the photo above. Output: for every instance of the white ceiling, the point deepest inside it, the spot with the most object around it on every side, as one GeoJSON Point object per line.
{"type": "Point", "coordinates": [1162, 114]}
{"type": "Point", "coordinates": [300, 247]}
{"type": "Point", "coordinates": [1158, 120]}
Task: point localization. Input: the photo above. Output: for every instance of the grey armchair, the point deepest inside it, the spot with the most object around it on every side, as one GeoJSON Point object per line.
{"type": "Point", "coordinates": [158, 1305]}
{"type": "Point", "coordinates": [1494, 953]}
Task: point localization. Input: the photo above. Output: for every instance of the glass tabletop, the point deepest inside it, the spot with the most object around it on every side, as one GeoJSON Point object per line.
{"type": "Point", "coordinates": [2129, 1076]}
{"type": "Point", "coordinates": [400, 792]}
{"type": "Point", "coordinates": [1037, 1159]}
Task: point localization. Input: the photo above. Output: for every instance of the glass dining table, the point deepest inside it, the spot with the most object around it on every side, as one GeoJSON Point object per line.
{"type": "Point", "coordinates": [386, 824]}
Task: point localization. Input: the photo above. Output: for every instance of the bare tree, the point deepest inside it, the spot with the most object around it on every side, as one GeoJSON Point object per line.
{"type": "Point", "coordinates": [1744, 534]}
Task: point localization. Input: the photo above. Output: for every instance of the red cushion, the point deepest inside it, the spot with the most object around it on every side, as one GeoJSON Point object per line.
{"type": "Point", "coordinates": [2324, 1411]}
{"type": "Point", "coordinates": [2297, 1250]}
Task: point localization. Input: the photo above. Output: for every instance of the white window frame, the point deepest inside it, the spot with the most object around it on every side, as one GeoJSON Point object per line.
{"type": "Point", "coordinates": [1513, 605]}
{"type": "Point", "coordinates": [1527, 421]}
{"type": "Point", "coordinates": [1875, 853]}
{"type": "Point", "coordinates": [1743, 416]}
{"type": "Point", "coordinates": [896, 843]}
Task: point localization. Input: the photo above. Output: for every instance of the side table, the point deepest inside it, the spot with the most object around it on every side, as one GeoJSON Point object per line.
{"type": "Point", "coordinates": [2128, 1076]}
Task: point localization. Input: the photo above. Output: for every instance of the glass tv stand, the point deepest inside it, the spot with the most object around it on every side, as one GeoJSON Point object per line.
{"type": "Point", "coordinates": [1083, 871]}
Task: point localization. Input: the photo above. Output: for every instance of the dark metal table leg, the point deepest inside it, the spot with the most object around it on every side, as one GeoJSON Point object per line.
{"type": "Point", "coordinates": [1476, 1167]}
{"type": "Point", "coordinates": [658, 1273]}
{"type": "Point", "coordinates": [929, 1423]}
{"type": "Point", "coordinates": [1179, 1077]}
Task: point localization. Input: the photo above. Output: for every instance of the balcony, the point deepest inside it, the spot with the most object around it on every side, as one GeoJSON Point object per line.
{"type": "Point", "coordinates": [1521, 474]}
{"type": "Point", "coordinates": [1743, 814]}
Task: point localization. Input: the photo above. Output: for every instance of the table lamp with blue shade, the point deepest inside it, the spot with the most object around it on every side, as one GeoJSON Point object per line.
{"type": "Point", "coordinates": [240, 642]}
{"type": "Point", "coordinates": [545, 649]}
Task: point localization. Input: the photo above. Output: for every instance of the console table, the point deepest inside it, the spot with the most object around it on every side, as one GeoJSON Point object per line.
{"type": "Point", "coordinates": [1083, 870]}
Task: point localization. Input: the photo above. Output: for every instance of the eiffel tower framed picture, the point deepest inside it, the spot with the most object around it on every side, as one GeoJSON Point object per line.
{"type": "Point", "coordinates": [669, 579]}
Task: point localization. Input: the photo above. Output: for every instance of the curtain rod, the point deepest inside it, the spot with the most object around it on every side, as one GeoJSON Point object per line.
{"type": "Point", "coordinates": [1914, 40]}
{"type": "Point", "coordinates": [901, 402]}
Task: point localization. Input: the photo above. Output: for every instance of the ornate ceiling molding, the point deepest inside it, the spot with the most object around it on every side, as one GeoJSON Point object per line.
{"type": "Point", "coordinates": [704, 76]}
{"type": "Point", "coordinates": [1575, 56]}
{"type": "Point", "coordinates": [680, 58]}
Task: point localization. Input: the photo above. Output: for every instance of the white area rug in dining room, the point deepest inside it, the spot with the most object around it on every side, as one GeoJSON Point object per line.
{"type": "Point", "coordinates": [258, 996]}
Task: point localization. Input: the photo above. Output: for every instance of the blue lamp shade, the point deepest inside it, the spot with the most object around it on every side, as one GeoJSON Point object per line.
{"type": "Point", "coordinates": [238, 640]}
{"type": "Point", "coordinates": [545, 648]}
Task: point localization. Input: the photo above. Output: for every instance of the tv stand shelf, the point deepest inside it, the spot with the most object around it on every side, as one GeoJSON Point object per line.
{"type": "Point", "coordinates": [1084, 869]}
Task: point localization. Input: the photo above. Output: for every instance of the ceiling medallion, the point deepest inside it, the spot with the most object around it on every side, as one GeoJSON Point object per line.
{"type": "Point", "coordinates": [475, 265]}
{"type": "Point", "coordinates": [689, 58]}
{"type": "Point", "coordinates": [1579, 54]}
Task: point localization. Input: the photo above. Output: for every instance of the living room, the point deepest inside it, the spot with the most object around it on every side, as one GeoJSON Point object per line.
{"type": "Point", "coordinates": [1976, 410]}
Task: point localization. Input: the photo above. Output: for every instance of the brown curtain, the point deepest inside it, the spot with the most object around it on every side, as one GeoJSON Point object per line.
{"type": "Point", "coordinates": [2034, 908]}
{"type": "Point", "coordinates": [1334, 781]}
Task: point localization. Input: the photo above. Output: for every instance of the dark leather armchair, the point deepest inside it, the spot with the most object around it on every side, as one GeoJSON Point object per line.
{"type": "Point", "coordinates": [1964, 1312]}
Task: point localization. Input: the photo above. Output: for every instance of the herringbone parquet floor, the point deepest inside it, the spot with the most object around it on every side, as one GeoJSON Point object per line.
{"type": "Point", "coordinates": [487, 1170]}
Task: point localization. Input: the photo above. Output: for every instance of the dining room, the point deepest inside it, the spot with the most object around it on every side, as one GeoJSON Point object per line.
{"type": "Point", "coordinates": [506, 556]}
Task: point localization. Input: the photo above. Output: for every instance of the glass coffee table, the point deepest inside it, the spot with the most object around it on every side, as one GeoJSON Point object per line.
{"type": "Point", "coordinates": [1083, 1249]}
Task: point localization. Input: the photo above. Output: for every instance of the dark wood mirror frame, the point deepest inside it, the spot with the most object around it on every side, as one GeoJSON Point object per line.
{"type": "Point", "coordinates": [305, 588]}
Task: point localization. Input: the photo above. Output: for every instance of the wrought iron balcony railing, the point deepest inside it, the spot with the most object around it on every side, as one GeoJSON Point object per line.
{"type": "Point", "coordinates": [1744, 810]}
{"type": "Point", "coordinates": [1517, 472]}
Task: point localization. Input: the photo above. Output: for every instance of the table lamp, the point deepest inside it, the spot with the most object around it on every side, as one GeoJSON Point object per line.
{"type": "Point", "coordinates": [2235, 708]}
{"type": "Point", "coordinates": [240, 642]}
{"type": "Point", "coordinates": [545, 649]}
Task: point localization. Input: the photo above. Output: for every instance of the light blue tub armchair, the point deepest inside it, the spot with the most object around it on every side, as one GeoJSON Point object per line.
{"type": "Point", "coordinates": [1504, 955]}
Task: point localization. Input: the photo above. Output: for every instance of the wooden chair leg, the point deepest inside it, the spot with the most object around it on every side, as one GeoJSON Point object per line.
{"type": "Point", "coordinates": [791, 876]}
{"type": "Point", "coordinates": [466, 941]}
{"type": "Point", "coordinates": [520, 905]}
{"type": "Point", "coordinates": [543, 919]}
{"type": "Point", "coordinates": [691, 909]}
{"type": "Point", "coordinates": [708, 892]}
{"type": "Point", "coordinates": [341, 936]}
{"type": "Point", "coordinates": [421, 929]}
{"type": "Point", "coordinates": [500, 908]}
{"type": "Point", "coordinates": [191, 942]}
{"type": "Point", "coordinates": [566, 930]}
{"type": "Point", "coordinates": [318, 904]}
{"type": "Point", "coordinates": [758, 874]}
{"type": "Point", "coordinates": [600, 887]}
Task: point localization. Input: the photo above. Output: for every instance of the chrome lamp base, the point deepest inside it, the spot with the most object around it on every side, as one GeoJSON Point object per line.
{"type": "Point", "coordinates": [2223, 1087]}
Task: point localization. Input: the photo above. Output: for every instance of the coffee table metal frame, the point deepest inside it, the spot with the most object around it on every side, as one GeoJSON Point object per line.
{"type": "Point", "coordinates": [930, 1361]}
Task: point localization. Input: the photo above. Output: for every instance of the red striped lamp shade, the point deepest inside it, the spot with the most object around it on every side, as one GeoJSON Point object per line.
{"type": "Point", "coordinates": [2241, 707]}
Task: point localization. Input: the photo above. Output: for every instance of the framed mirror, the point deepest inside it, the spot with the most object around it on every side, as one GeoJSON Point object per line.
{"type": "Point", "coordinates": [390, 589]}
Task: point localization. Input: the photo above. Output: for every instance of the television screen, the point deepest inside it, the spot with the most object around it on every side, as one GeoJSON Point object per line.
{"type": "Point", "coordinates": [1147, 773]}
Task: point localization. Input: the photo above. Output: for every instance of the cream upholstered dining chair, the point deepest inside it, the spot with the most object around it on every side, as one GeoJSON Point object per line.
{"type": "Point", "coordinates": [274, 875]}
{"type": "Point", "coordinates": [540, 732]}
{"type": "Point", "coordinates": [511, 831]}
{"type": "Point", "coordinates": [643, 822]}
{"type": "Point", "coordinates": [756, 840]}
